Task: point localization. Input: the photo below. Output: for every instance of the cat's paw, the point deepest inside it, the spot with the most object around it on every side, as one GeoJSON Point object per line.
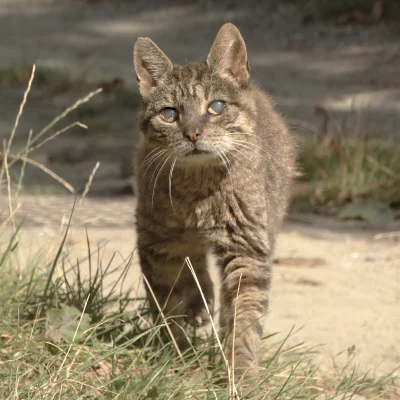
{"type": "Point", "coordinates": [198, 318]}
{"type": "Point", "coordinates": [197, 314]}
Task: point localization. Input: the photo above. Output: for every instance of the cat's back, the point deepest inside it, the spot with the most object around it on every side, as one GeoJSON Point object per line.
{"type": "Point", "coordinates": [277, 153]}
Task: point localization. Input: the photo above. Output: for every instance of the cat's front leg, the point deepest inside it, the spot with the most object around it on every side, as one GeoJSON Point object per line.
{"type": "Point", "coordinates": [244, 304]}
{"type": "Point", "coordinates": [171, 288]}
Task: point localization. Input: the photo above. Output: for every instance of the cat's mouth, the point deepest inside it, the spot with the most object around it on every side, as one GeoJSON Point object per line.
{"type": "Point", "coordinates": [198, 151]}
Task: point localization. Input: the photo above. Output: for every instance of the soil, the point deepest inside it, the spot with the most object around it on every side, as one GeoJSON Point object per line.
{"type": "Point", "coordinates": [339, 281]}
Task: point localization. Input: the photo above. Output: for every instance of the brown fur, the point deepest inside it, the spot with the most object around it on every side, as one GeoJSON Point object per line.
{"type": "Point", "coordinates": [229, 200]}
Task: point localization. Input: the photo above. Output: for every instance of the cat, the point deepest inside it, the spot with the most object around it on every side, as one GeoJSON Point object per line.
{"type": "Point", "coordinates": [213, 172]}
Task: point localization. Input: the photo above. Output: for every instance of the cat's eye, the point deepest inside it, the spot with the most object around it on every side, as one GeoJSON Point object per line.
{"type": "Point", "coordinates": [216, 107]}
{"type": "Point", "coordinates": [169, 114]}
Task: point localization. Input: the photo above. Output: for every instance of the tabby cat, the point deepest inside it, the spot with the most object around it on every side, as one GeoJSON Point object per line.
{"type": "Point", "coordinates": [213, 173]}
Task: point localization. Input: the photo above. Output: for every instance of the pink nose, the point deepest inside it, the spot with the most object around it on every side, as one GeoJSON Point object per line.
{"type": "Point", "coordinates": [192, 136]}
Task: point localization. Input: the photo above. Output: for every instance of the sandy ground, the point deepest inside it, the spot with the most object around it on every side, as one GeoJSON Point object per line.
{"type": "Point", "coordinates": [337, 283]}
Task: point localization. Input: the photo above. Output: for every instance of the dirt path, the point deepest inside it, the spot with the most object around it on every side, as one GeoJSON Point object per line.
{"type": "Point", "coordinates": [338, 281]}
{"type": "Point", "coordinates": [343, 68]}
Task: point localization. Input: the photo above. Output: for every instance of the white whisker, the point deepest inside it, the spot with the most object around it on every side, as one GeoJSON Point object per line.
{"type": "Point", "coordinates": [150, 153]}
{"type": "Point", "coordinates": [159, 154]}
{"type": "Point", "coordinates": [247, 145]}
{"type": "Point", "coordinates": [152, 157]}
{"type": "Point", "coordinates": [170, 183]}
{"type": "Point", "coordinates": [158, 175]}
{"type": "Point", "coordinates": [222, 156]}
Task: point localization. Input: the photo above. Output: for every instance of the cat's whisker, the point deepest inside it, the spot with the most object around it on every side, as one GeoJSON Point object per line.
{"type": "Point", "coordinates": [229, 162]}
{"type": "Point", "coordinates": [156, 169]}
{"type": "Point", "coordinates": [247, 145]}
{"type": "Point", "coordinates": [149, 154]}
{"type": "Point", "coordinates": [170, 183]}
{"type": "Point", "coordinates": [145, 172]}
{"type": "Point", "coordinates": [158, 175]}
{"type": "Point", "coordinates": [246, 142]}
{"type": "Point", "coordinates": [144, 163]}
{"type": "Point", "coordinates": [236, 156]}
{"type": "Point", "coordinates": [220, 154]}
{"type": "Point", "coordinates": [224, 143]}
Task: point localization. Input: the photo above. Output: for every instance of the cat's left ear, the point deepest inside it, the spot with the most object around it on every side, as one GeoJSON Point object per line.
{"type": "Point", "coordinates": [151, 64]}
{"type": "Point", "coordinates": [228, 54]}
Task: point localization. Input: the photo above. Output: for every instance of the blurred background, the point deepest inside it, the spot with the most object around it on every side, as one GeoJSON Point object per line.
{"type": "Point", "coordinates": [332, 68]}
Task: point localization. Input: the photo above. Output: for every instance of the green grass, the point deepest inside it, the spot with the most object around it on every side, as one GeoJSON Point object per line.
{"type": "Point", "coordinates": [339, 169]}
{"type": "Point", "coordinates": [61, 335]}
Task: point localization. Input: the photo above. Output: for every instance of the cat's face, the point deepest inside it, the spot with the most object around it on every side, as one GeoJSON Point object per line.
{"type": "Point", "coordinates": [196, 112]}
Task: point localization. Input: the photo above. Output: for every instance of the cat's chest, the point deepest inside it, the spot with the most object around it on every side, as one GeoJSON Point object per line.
{"type": "Point", "coordinates": [203, 213]}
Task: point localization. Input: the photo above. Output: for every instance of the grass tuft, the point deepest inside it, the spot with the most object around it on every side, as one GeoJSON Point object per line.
{"type": "Point", "coordinates": [340, 169]}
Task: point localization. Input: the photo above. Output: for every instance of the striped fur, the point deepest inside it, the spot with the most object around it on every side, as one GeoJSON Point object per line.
{"type": "Point", "coordinates": [228, 200]}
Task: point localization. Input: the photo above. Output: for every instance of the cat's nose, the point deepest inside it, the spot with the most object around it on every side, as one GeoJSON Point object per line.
{"type": "Point", "coordinates": [192, 135]}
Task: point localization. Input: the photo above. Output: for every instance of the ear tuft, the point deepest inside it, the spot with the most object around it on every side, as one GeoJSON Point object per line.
{"type": "Point", "coordinates": [150, 63]}
{"type": "Point", "coordinates": [228, 54]}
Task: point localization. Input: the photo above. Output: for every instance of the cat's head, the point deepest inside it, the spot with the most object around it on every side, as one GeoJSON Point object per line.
{"type": "Point", "coordinates": [200, 111]}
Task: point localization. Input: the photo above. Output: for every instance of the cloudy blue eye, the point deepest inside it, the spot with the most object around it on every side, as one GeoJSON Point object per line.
{"type": "Point", "coordinates": [216, 107]}
{"type": "Point", "coordinates": [169, 114]}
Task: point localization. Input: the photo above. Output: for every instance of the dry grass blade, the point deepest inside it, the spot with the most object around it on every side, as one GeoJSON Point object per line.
{"type": "Point", "coordinates": [15, 210]}
{"type": "Point", "coordinates": [44, 169]}
{"type": "Point", "coordinates": [231, 385]}
{"type": "Point", "coordinates": [234, 330]}
{"type": "Point", "coordinates": [21, 108]}
{"type": "Point", "coordinates": [89, 182]}
{"type": "Point", "coordinates": [10, 140]}
{"type": "Point", "coordinates": [65, 113]}
{"type": "Point", "coordinates": [164, 319]}
{"type": "Point", "coordinates": [54, 135]}
{"type": "Point", "coordinates": [5, 164]}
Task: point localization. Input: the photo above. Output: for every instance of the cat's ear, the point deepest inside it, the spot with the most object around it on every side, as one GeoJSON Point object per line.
{"type": "Point", "coordinates": [228, 54]}
{"type": "Point", "coordinates": [150, 64]}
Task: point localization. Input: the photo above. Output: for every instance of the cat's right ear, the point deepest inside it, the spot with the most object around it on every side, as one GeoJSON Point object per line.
{"type": "Point", "coordinates": [150, 64]}
{"type": "Point", "coordinates": [228, 55]}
